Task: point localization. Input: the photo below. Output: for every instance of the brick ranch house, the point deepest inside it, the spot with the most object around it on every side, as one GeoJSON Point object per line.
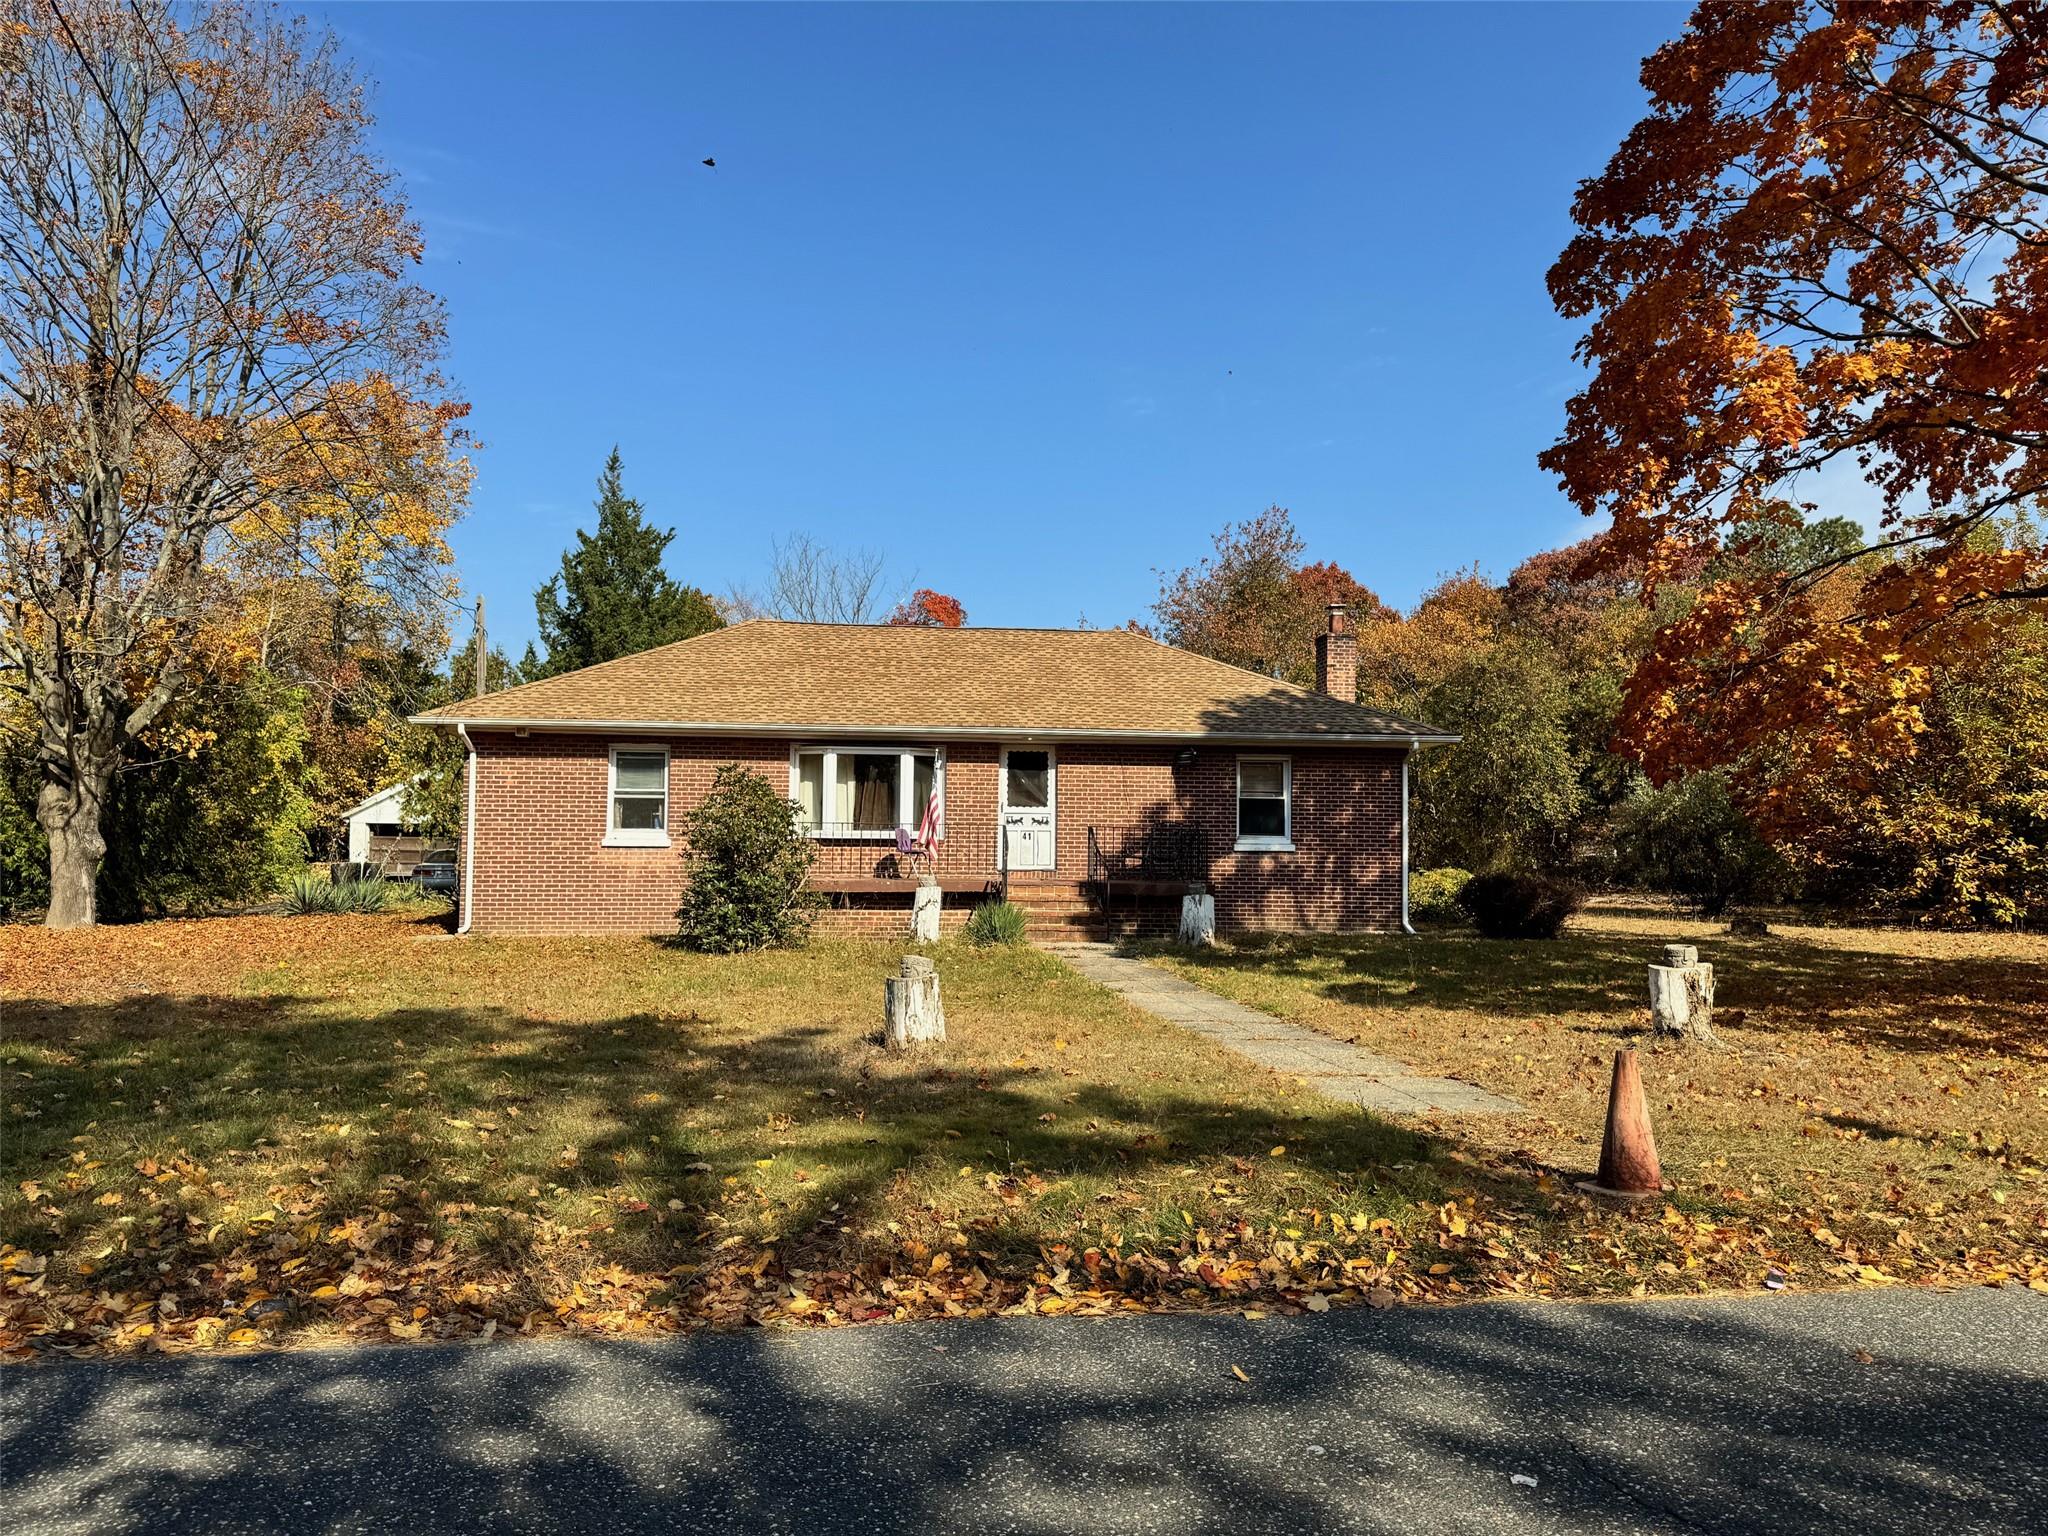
{"type": "Point", "coordinates": [1094, 774]}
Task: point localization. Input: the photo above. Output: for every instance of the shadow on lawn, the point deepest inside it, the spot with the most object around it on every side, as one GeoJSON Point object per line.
{"type": "Point", "coordinates": [257, 1090]}
{"type": "Point", "coordinates": [1742, 1418]}
{"type": "Point", "coordinates": [1783, 983]}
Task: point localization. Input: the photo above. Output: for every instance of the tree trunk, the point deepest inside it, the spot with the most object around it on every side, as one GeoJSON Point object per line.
{"type": "Point", "coordinates": [926, 903]}
{"type": "Point", "coordinates": [1682, 1002]}
{"type": "Point", "coordinates": [70, 814]}
{"type": "Point", "coordinates": [911, 1003]}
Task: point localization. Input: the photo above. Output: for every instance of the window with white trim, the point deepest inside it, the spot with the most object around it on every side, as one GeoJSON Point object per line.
{"type": "Point", "coordinates": [638, 798]}
{"type": "Point", "coordinates": [1265, 803]}
{"type": "Point", "coordinates": [865, 792]}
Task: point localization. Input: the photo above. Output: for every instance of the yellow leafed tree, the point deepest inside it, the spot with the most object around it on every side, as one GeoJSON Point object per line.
{"type": "Point", "coordinates": [222, 391]}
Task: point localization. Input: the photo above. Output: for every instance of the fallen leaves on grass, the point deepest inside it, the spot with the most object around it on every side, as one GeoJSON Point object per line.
{"type": "Point", "coordinates": [381, 1275]}
{"type": "Point", "coordinates": [186, 954]}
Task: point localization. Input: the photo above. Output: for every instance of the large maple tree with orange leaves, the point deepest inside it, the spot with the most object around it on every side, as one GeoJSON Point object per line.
{"type": "Point", "coordinates": [1824, 248]}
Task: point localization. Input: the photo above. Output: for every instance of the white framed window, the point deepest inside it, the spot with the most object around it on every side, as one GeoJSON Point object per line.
{"type": "Point", "coordinates": [864, 792]}
{"type": "Point", "coordinates": [1265, 804]}
{"type": "Point", "coordinates": [637, 797]}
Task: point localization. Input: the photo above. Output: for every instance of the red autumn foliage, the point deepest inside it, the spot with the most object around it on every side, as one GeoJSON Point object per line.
{"type": "Point", "coordinates": [926, 609]}
{"type": "Point", "coordinates": [1821, 250]}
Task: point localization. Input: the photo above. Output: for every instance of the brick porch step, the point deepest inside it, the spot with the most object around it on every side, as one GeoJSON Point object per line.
{"type": "Point", "coordinates": [1048, 896]}
{"type": "Point", "coordinates": [1052, 905]}
{"type": "Point", "coordinates": [1055, 911]}
{"type": "Point", "coordinates": [1078, 932]}
{"type": "Point", "coordinates": [1038, 918]}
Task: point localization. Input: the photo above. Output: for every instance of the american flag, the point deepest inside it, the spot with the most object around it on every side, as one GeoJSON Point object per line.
{"type": "Point", "coordinates": [928, 828]}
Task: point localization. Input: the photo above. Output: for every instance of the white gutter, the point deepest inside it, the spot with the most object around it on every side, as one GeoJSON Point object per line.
{"type": "Point", "coordinates": [469, 832]}
{"type": "Point", "coordinates": [1406, 926]}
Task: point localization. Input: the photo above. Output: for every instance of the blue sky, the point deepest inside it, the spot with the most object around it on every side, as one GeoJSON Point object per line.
{"type": "Point", "coordinates": [1034, 299]}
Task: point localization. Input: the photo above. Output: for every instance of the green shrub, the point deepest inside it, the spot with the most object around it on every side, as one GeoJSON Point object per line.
{"type": "Point", "coordinates": [309, 895]}
{"type": "Point", "coordinates": [365, 895]}
{"type": "Point", "coordinates": [1505, 906]}
{"type": "Point", "coordinates": [996, 922]}
{"type": "Point", "coordinates": [748, 858]}
{"type": "Point", "coordinates": [1690, 840]}
{"type": "Point", "coordinates": [1433, 894]}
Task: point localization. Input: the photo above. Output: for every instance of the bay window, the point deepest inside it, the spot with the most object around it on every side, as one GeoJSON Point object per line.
{"type": "Point", "coordinates": [865, 792]}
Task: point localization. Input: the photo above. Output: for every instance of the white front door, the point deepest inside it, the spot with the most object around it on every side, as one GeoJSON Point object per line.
{"type": "Point", "coordinates": [1029, 792]}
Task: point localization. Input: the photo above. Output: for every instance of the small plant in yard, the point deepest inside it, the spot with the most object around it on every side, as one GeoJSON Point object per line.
{"type": "Point", "coordinates": [748, 858]}
{"type": "Point", "coordinates": [996, 922]}
{"type": "Point", "coordinates": [1433, 894]}
{"type": "Point", "coordinates": [1510, 906]}
{"type": "Point", "coordinates": [309, 895]}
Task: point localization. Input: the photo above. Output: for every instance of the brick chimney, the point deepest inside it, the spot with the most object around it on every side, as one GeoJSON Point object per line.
{"type": "Point", "coordinates": [1337, 656]}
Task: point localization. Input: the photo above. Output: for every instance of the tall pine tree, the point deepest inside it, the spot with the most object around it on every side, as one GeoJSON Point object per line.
{"type": "Point", "coordinates": [611, 596]}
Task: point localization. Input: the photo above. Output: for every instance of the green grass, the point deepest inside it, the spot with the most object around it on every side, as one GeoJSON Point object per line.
{"type": "Point", "coordinates": [344, 1124]}
{"type": "Point", "coordinates": [1888, 1079]}
{"type": "Point", "coordinates": [557, 1107]}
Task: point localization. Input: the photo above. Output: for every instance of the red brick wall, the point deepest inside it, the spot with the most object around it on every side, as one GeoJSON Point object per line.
{"type": "Point", "coordinates": [1344, 872]}
{"type": "Point", "coordinates": [541, 866]}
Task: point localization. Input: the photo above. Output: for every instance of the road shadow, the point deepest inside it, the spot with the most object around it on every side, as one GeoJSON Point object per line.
{"type": "Point", "coordinates": [1729, 1417]}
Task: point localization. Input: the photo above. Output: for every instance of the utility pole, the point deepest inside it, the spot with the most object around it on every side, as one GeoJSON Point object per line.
{"type": "Point", "coordinates": [483, 655]}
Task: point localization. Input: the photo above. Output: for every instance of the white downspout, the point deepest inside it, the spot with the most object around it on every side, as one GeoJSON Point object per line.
{"type": "Point", "coordinates": [1406, 926]}
{"type": "Point", "coordinates": [469, 833]}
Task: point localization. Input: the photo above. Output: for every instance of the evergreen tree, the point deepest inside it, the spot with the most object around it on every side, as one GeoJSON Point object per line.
{"type": "Point", "coordinates": [611, 596]}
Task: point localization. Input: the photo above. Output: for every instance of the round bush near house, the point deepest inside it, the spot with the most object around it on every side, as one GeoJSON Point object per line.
{"type": "Point", "coordinates": [748, 858]}
{"type": "Point", "coordinates": [1433, 894]}
{"type": "Point", "coordinates": [1505, 906]}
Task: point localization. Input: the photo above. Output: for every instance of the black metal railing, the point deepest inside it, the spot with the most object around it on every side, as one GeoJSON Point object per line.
{"type": "Point", "coordinates": [1152, 850]}
{"type": "Point", "coordinates": [847, 847]}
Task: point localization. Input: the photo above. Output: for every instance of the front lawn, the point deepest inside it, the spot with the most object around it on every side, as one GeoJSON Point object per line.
{"type": "Point", "coordinates": [225, 1131]}
{"type": "Point", "coordinates": [231, 1132]}
{"type": "Point", "coordinates": [1880, 1112]}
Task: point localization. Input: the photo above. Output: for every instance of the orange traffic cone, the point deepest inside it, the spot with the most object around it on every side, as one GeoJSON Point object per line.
{"type": "Point", "coordinates": [1628, 1154]}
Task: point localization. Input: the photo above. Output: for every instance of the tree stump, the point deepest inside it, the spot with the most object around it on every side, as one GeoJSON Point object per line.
{"type": "Point", "coordinates": [1198, 918]}
{"type": "Point", "coordinates": [925, 903]}
{"type": "Point", "coordinates": [910, 999]}
{"type": "Point", "coordinates": [1682, 996]}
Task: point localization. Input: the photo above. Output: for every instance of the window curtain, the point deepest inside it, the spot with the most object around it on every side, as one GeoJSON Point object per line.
{"type": "Point", "coordinates": [874, 801]}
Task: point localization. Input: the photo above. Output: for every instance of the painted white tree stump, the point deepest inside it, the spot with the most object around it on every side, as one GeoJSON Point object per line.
{"type": "Point", "coordinates": [911, 1001]}
{"type": "Point", "coordinates": [925, 902]}
{"type": "Point", "coordinates": [1198, 918]}
{"type": "Point", "coordinates": [1682, 996]}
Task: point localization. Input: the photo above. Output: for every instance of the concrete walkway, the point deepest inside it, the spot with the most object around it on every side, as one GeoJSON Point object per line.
{"type": "Point", "coordinates": [1333, 1067]}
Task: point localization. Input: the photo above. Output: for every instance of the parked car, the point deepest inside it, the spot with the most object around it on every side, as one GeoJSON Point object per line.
{"type": "Point", "coordinates": [435, 871]}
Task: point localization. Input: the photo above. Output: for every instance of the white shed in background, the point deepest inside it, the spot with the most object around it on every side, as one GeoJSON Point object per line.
{"type": "Point", "coordinates": [378, 833]}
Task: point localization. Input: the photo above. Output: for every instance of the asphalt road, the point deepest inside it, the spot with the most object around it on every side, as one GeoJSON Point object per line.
{"type": "Point", "coordinates": [1742, 1415]}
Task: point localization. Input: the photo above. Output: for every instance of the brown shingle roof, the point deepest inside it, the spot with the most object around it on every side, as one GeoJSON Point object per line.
{"type": "Point", "coordinates": [820, 678]}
